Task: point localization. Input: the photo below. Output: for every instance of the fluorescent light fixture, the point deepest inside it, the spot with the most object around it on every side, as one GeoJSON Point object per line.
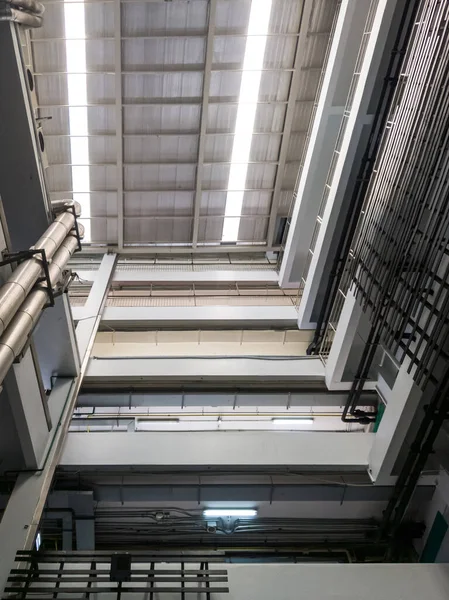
{"type": "Point", "coordinates": [259, 19]}
{"type": "Point", "coordinates": [230, 512]}
{"type": "Point", "coordinates": [150, 424]}
{"type": "Point", "coordinates": [75, 48]}
{"type": "Point", "coordinates": [293, 421]}
{"type": "Point", "coordinates": [38, 541]}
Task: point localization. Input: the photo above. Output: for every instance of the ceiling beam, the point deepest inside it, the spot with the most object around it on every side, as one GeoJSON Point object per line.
{"type": "Point", "coordinates": [119, 120]}
{"type": "Point", "coordinates": [203, 119]}
{"type": "Point", "coordinates": [289, 114]}
{"type": "Point", "coordinates": [172, 249]}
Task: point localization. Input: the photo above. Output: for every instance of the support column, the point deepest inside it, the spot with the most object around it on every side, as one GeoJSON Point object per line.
{"type": "Point", "coordinates": [347, 346]}
{"type": "Point", "coordinates": [97, 298]}
{"type": "Point", "coordinates": [29, 407]}
{"type": "Point", "coordinates": [20, 522]}
{"type": "Point", "coordinates": [402, 404]}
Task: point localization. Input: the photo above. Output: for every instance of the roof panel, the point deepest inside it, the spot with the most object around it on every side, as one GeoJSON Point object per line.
{"type": "Point", "coordinates": [213, 203]}
{"type": "Point", "coordinates": [215, 177]}
{"type": "Point", "coordinates": [154, 148]}
{"type": "Point", "coordinates": [253, 229]}
{"type": "Point", "coordinates": [159, 177]}
{"type": "Point", "coordinates": [257, 203]}
{"type": "Point", "coordinates": [260, 176]}
{"type": "Point", "coordinates": [103, 149]}
{"type": "Point", "coordinates": [218, 147]}
{"type": "Point", "coordinates": [103, 178]}
{"type": "Point", "coordinates": [50, 56]}
{"type": "Point", "coordinates": [146, 54]}
{"type": "Point", "coordinates": [103, 204]}
{"type": "Point", "coordinates": [160, 119]}
{"type": "Point", "coordinates": [323, 13]}
{"type": "Point", "coordinates": [58, 149]}
{"type": "Point", "coordinates": [265, 147]}
{"type": "Point", "coordinates": [285, 16]}
{"type": "Point", "coordinates": [221, 117]}
{"type": "Point", "coordinates": [296, 146]}
{"type": "Point", "coordinates": [104, 230]}
{"type": "Point", "coordinates": [210, 230]}
{"type": "Point", "coordinates": [146, 18]}
{"type": "Point", "coordinates": [164, 204]}
{"type": "Point", "coordinates": [232, 16]}
{"type": "Point", "coordinates": [139, 87]}
{"type": "Point", "coordinates": [153, 231]}
{"type": "Point", "coordinates": [290, 175]}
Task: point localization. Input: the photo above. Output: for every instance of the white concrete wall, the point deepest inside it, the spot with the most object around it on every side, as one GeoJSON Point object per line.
{"type": "Point", "coordinates": [339, 450]}
{"type": "Point", "coordinates": [315, 582]}
{"type": "Point", "coordinates": [337, 582]}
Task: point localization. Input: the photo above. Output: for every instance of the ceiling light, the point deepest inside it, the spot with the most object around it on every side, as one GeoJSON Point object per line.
{"type": "Point", "coordinates": [75, 48]}
{"type": "Point", "coordinates": [256, 40]}
{"type": "Point", "coordinates": [293, 422]}
{"type": "Point", "coordinates": [230, 512]}
{"type": "Point", "coordinates": [152, 423]}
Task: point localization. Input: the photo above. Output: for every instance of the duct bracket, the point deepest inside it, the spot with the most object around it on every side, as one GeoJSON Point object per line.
{"type": "Point", "coordinates": [18, 257]}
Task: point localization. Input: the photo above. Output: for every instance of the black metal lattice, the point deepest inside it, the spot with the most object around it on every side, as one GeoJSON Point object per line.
{"type": "Point", "coordinates": [82, 574]}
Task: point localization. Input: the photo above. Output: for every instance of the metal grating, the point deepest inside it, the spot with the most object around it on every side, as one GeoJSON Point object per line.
{"type": "Point", "coordinates": [85, 574]}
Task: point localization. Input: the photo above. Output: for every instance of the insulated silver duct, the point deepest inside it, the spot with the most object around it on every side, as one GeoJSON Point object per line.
{"type": "Point", "coordinates": [26, 12]}
{"type": "Point", "coordinates": [16, 334]}
{"type": "Point", "coordinates": [20, 282]}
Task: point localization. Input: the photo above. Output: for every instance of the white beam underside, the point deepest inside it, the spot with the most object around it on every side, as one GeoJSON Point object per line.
{"type": "Point", "coordinates": [205, 369]}
{"type": "Point", "coordinates": [342, 451]}
{"type": "Point", "coordinates": [153, 276]}
{"type": "Point", "coordinates": [198, 316]}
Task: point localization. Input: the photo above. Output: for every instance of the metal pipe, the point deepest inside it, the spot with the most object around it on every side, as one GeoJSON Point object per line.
{"type": "Point", "coordinates": [22, 279]}
{"type": "Point", "coordinates": [16, 334]}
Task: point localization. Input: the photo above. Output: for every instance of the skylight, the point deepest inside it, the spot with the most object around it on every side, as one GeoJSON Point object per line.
{"type": "Point", "coordinates": [75, 33]}
{"type": "Point", "coordinates": [259, 19]}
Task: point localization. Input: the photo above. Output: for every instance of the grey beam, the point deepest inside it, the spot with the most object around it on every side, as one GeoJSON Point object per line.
{"type": "Point", "coordinates": [227, 398]}
{"type": "Point", "coordinates": [119, 119]}
{"type": "Point", "coordinates": [203, 121]}
{"type": "Point", "coordinates": [289, 114]}
{"type": "Point", "coordinates": [174, 493]}
{"type": "Point", "coordinates": [89, 319]}
{"type": "Point", "coordinates": [216, 248]}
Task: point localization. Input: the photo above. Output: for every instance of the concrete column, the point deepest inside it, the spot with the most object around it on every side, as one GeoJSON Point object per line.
{"type": "Point", "coordinates": [402, 404]}
{"type": "Point", "coordinates": [331, 104]}
{"type": "Point", "coordinates": [26, 398]}
{"type": "Point", "coordinates": [347, 346]}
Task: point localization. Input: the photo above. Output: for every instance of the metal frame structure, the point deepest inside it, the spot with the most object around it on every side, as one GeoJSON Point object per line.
{"type": "Point", "coordinates": [208, 33]}
{"type": "Point", "coordinates": [111, 573]}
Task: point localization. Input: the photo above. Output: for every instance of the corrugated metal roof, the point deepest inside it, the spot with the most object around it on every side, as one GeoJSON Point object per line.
{"type": "Point", "coordinates": [163, 56]}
